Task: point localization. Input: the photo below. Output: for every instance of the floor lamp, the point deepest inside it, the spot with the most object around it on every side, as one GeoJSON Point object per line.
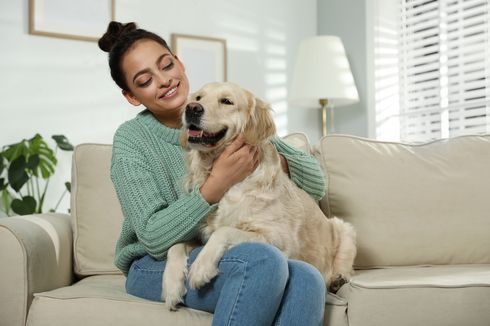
{"type": "Point", "coordinates": [322, 76]}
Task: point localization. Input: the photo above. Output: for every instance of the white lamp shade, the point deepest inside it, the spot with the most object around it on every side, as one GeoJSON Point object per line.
{"type": "Point", "coordinates": [322, 71]}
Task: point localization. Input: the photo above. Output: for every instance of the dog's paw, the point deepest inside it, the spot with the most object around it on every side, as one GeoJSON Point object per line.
{"type": "Point", "coordinates": [173, 295]}
{"type": "Point", "coordinates": [201, 273]}
{"type": "Point", "coordinates": [336, 283]}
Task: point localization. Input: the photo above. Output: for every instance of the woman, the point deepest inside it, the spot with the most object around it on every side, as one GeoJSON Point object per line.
{"type": "Point", "coordinates": [257, 285]}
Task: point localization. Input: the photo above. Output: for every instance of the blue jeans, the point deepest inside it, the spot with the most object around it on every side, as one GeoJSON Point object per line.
{"type": "Point", "coordinates": [256, 286]}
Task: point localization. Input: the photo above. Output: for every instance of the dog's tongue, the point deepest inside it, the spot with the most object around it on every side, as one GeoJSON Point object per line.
{"type": "Point", "coordinates": [195, 133]}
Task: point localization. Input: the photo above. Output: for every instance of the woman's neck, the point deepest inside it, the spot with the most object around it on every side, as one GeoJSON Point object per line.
{"type": "Point", "coordinates": [170, 121]}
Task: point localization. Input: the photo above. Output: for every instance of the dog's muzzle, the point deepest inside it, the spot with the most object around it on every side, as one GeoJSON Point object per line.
{"type": "Point", "coordinates": [193, 114]}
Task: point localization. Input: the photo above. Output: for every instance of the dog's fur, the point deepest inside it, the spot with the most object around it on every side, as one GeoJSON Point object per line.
{"type": "Point", "coordinates": [265, 207]}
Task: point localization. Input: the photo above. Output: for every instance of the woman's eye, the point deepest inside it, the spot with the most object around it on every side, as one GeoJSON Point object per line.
{"type": "Point", "coordinates": [226, 101]}
{"type": "Point", "coordinates": [169, 66]}
{"type": "Point", "coordinates": [146, 83]}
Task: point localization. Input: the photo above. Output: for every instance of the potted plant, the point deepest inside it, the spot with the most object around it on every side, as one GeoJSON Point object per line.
{"type": "Point", "coordinates": [22, 166]}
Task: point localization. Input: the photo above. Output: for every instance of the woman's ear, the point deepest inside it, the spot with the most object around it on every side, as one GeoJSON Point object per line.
{"type": "Point", "coordinates": [131, 98]}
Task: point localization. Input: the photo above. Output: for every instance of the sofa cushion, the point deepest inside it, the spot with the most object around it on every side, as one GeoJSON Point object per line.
{"type": "Point", "coordinates": [406, 296]}
{"type": "Point", "coordinates": [411, 204]}
{"type": "Point", "coordinates": [95, 209]}
{"type": "Point", "coordinates": [96, 212]}
{"type": "Point", "coordinates": [102, 300]}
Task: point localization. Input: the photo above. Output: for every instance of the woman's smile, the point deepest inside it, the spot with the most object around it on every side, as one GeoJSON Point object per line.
{"type": "Point", "coordinates": [169, 93]}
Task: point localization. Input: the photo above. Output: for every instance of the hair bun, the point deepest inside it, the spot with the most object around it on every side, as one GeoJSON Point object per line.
{"type": "Point", "coordinates": [114, 31]}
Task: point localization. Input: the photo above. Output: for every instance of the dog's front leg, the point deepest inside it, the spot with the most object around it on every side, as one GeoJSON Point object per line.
{"type": "Point", "coordinates": [205, 267]}
{"type": "Point", "coordinates": [173, 287]}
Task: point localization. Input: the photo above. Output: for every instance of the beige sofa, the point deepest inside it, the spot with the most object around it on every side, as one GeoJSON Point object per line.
{"type": "Point", "coordinates": [422, 214]}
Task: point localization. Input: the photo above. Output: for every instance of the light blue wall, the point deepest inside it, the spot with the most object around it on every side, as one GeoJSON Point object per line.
{"type": "Point", "coordinates": [347, 19]}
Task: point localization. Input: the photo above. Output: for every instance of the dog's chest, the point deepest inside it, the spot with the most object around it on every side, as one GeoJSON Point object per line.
{"type": "Point", "coordinates": [244, 204]}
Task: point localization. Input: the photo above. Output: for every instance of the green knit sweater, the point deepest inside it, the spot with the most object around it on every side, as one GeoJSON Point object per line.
{"type": "Point", "coordinates": [148, 166]}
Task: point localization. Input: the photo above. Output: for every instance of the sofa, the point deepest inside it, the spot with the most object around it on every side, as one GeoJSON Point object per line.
{"type": "Point", "coordinates": [422, 215]}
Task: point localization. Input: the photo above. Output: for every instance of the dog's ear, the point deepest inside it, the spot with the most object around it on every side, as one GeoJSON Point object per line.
{"type": "Point", "coordinates": [260, 125]}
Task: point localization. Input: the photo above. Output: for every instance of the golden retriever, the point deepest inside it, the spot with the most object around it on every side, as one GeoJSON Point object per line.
{"type": "Point", "coordinates": [266, 207]}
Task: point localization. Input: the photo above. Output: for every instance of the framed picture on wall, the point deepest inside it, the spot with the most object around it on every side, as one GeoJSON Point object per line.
{"type": "Point", "coordinates": [73, 19]}
{"type": "Point", "coordinates": [204, 58]}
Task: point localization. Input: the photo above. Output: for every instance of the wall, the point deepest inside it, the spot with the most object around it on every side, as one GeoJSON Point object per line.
{"type": "Point", "coordinates": [57, 86]}
{"type": "Point", "coordinates": [347, 19]}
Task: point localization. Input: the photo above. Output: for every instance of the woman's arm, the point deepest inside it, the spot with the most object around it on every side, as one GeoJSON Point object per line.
{"type": "Point", "coordinates": [157, 221]}
{"type": "Point", "coordinates": [304, 169]}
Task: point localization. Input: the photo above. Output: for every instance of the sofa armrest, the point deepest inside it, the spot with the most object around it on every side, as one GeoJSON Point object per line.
{"type": "Point", "coordinates": [35, 256]}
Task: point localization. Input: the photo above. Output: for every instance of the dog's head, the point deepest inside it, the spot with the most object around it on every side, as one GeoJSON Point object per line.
{"type": "Point", "coordinates": [218, 112]}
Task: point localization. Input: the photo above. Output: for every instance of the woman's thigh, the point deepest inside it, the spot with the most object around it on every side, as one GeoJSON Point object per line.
{"type": "Point", "coordinates": [257, 263]}
{"type": "Point", "coordinates": [145, 278]}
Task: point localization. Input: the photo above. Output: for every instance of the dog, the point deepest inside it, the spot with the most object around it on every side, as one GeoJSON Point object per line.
{"type": "Point", "coordinates": [265, 207]}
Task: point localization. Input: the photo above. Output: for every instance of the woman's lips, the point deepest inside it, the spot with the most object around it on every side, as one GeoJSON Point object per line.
{"type": "Point", "coordinates": [170, 93]}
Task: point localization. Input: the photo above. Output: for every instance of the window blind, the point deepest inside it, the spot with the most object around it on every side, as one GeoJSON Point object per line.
{"type": "Point", "coordinates": [444, 68]}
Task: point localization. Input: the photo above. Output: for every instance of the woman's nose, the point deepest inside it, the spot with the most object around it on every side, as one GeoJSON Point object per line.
{"type": "Point", "coordinates": [164, 81]}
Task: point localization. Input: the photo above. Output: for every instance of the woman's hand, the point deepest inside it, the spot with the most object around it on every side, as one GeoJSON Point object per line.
{"type": "Point", "coordinates": [237, 161]}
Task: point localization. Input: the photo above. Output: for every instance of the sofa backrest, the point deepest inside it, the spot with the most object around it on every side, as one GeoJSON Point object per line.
{"type": "Point", "coordinates": [96, 213]}
{"type": "Point", "coordinates": [95, 209]}
{"type": "Point", "coordinates": [411, 204]}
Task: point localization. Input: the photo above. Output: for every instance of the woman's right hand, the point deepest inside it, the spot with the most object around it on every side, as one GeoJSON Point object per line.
{"type": "Point", "coordinates": [237, 161]}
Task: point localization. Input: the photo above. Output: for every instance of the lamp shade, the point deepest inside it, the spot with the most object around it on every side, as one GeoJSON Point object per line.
{"type": "Point", "coordinates": [322, 71]}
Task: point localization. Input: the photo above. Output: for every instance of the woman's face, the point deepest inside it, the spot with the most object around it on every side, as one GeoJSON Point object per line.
{"type": "Point", "coordinates": [157, 80]}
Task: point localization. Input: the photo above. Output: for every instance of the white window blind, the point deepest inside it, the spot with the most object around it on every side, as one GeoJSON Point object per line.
{"type": "Point", "coordinates": [443, 69]}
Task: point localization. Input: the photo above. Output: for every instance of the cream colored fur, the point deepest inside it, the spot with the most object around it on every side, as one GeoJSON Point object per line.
{"type": "Point", "coordinates": [266, 207]}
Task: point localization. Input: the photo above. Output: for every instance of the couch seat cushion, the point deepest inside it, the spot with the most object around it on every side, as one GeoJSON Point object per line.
{"type": "Point", "coordinates": [428, 295]}
{"type": "Point", "coordinates": [102, 300]}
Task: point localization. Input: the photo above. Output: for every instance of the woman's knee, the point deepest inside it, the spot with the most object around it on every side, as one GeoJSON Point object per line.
{"type": "Point", "coordinates": [308, 277]}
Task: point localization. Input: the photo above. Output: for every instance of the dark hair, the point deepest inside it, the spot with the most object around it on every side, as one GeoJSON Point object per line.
{"type": "Point", "coordinates": [117, 40]}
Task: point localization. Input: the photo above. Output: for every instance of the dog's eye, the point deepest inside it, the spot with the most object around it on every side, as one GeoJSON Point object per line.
{"type": "Point", "coordinates": [198, 97]}
{"type": "Point", "coordinates": [226, 101]}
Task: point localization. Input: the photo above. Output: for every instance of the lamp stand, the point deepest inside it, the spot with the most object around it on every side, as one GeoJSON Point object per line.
{"type": "Point", "coordinates": [324, 104]}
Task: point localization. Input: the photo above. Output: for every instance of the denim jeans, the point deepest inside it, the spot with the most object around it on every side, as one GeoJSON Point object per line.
{"type": "Point", "coordinates": [256, 285]}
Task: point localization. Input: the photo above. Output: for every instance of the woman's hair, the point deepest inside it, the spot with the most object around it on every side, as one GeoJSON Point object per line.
{"type": "Point", "coordinates": [117, 40]}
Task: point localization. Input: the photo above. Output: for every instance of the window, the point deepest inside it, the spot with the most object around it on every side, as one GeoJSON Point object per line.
{"type": "Point", "coordinates": [432, 68]}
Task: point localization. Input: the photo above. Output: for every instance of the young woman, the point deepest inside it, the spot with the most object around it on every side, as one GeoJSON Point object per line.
{"type": "Point", "coordinates": [256, 285]}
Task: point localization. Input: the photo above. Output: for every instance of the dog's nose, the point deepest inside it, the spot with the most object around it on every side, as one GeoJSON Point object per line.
{"type": "Point", "coordinates": [193, 112]}
{"type": "Point", "coordinates": [195, 108]}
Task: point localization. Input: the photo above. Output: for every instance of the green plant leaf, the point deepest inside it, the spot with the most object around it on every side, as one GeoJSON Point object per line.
{"type": "Point", "coordinates": [2, 164]}
{"type": "Point", "coordinates": [17, 175]}
{"type": "Point", "coordinates": [47, 160]}
{"type": "Point", "coordinates": [6, 198]}
{"type": "Point", "coordinates": [33, 162]}
{"type": "Point", "coordinates": [12, 152]}
{"type": "Point", "coordinates": [3, 184]}
{"type": "Point", "coordinates": [68, 186]}
{"type": "Point", "coordinates": [25, 206]}
{"type": "Point", "coordinates": [62, 142]}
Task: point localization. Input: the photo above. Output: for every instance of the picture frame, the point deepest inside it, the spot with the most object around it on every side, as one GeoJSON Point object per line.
{"type": "Point", "coordinates": [205, 58]}
{"type": "Point", "coordinates": [83, 20]}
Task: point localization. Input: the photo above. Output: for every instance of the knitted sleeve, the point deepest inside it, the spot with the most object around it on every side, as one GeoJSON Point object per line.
{"type": "Point", "coordinates": [304, 169]}
{"type": "Point", "coordinates": [158, 224]}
